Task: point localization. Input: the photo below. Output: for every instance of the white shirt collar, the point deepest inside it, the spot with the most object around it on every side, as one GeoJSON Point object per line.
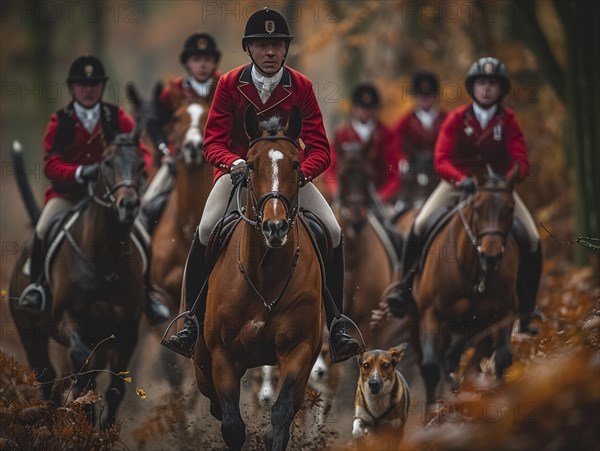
{"type": "Point", "coordinates": [484, 115]}
{"type": "Point", "coordinates": [364, 130]}
{"type": "Point", "coordinates": [200, 88]}
{"type": "Point", "coordinates": [264, 84]}
{"type": "Point", "coordinates": [88, 116]}
{"type": "Point", "coordinates": [426, 118]}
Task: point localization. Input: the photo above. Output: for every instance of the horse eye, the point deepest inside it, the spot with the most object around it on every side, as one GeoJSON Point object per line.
{"type": "Point", "coordinates": [366, 365]}
{"type": "Point", "coordinates": [296, 165]}
{"type": "Point", "coordinates": [109, 162]}
{"type": "Point", "coordinates": [250, 166]}
{"type": "Point", "coordinates": [385, 365]}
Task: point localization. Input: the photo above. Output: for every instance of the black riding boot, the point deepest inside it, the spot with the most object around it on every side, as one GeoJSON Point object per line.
{"type": "Point", "coordinates": [528, 281]}
{"type": "Point", "coordinates": [343, 346]}
{"type": "Point", "coordinates": [33, 297]}
{"type": "Point", "coordinates": [194, 276]}
{"type": "Point", "coordinates": [400, 299]}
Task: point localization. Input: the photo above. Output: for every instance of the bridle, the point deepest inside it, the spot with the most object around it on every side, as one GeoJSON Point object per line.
{"type": "Point", "coordinates": [476, 238]}
{"type": "Point", "coordinates": [258, 204]}
{"type": "Point", "coordinates": [108, 199]}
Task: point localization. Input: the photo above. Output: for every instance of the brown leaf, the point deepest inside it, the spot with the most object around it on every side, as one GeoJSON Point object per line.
{"type": "Point", "coordinates": [88, 397]}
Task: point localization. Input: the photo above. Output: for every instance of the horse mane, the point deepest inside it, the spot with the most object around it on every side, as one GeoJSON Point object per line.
{"type": "Point", "coordinates": [272, 125]}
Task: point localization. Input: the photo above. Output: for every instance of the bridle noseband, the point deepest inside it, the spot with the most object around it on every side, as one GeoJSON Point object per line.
{"type": "Point", "coordinates": [258, 204]}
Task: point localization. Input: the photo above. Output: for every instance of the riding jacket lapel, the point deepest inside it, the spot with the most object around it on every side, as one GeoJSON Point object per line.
{"type": "Point", "coordinates": [280, 93]}
{"type": "Point", "coordinates": [247, 88]}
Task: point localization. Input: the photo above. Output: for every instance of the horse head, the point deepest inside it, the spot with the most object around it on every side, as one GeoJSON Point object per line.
{"type": "Point", "coordinates": [492, 208]}
{"type": "Point", "coordinates": [121, 176]}
{"type": "Point", "coordinates": [273, 163]}
{"type": "Point", "coordinates": [187, 130]}
{"type": "Point", "coordinates": [354, 178]}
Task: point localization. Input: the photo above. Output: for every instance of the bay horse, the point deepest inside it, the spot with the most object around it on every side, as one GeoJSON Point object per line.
{"type": "Point", "coordinates": [371, 259]}
{"type": "Point", "coordinates": [193, 182]}
{"type": "Point", "coordinates": [264, 301]}
{"type": "Point", "coordinates": [95, 278]}
{"type": "Point", "coordinates": [465, 293]}
{"type": "Point", "coordinates": [175, 229]}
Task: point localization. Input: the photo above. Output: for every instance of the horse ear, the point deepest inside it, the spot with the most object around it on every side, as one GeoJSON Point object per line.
{"type": "Point", "coordinates": [251, 123]}
{"type": "Point", "coordinates": [513, 176]}
{"type": "Point", "coordinates": [158, 89]}
{"type": "Point", "coordinates": [133, 94]}
{"type": "Point", "coordinates": [294, 125]}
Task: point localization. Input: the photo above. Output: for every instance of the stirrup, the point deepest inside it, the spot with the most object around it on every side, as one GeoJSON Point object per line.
{"type": "Point", "coordinates": [164, 342]}
{"type": "Point", "coordinates": [341, 357]}
{"type": "Point", "coordinates": [33, 287]}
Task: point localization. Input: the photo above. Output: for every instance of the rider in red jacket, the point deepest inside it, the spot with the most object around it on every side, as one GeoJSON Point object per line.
{"type": "Point", "coordinates": [74, 142]}
{"type": "Point", "coordinates": [415, 136]}
{"type": "Point", "coordinates": [273, 89]}
{"type": "Point", "coordinates": [364, 129]}
{"type": "Point", "coordinates": [473, 136]}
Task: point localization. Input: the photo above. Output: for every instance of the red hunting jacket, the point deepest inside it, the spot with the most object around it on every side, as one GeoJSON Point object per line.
{"type": "Point", "coordinates": [411, 138]}
{"type": "Point", "coordinates": [383, 158]}
{"type": "Point", "coordinates": [224, 137]}
{"type": "Point", "coordinates": [67, 148]}
{"type": "Point", "coordinates": [462, 146]}
{"type": "Point", "coordinates": [185, 91]}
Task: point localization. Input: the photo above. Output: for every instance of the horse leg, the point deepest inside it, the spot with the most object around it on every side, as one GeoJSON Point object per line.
{"type": "Point", "coordinates": [119, 361]}
{"type": "Point", "coordinates": [204, 379]}
{"type": "Point", "coordinates": [452, 359]}
{"type": "Point", "coordinates": [78, 354]}
{"type": "Point", "coordinates": [430, 367]}
{"type": "Point", "coordinates": [294, 372]}
{"type": "Point", "coordinates": [35, 341]}
{"type": "Point", "coordinates": [503, 355]}
{"type": "Point", "coordinates": [226, 380]}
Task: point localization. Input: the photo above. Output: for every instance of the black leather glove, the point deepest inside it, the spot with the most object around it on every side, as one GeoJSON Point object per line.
{"type": "Point", "coordinates": [467, 185]}
{"type": "Point", "coordinates": [301, 178]}
{"type": "Point", "coordinates": [89, 172]}
{"type": "Point", "coordinates": [238, 173]}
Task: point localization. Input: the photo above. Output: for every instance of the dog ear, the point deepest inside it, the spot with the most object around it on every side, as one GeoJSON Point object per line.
{"type": "Point", "coordinates": [398, 352]}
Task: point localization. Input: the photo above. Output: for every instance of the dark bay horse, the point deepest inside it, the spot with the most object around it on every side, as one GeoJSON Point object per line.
{"type": "Point", "coordinates": [371, 262]}
{"type": "Point", "coordinates": [264, 303]}
{"type": "Point", "coordinates": [465, 294]}
{"type": "Point", "coordinates": [96, 281]}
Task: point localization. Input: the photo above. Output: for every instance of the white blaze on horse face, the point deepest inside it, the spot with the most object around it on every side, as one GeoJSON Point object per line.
{"type": "Point", "coordinates": [275, 156]}
{"type": "Point", "coordinates": [194, 134]}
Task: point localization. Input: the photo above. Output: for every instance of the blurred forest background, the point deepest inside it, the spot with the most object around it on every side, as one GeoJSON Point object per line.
{"type": "Point", "coordinates": [550, 49]}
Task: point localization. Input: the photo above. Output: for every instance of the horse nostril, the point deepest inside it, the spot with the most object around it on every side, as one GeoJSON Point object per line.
{"type": "Point", "coordinates": [130, 203]}
{"type": "Point", "coordinates": [275, 228]}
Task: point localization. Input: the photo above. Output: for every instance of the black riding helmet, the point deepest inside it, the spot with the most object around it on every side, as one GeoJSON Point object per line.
{"type": "Point", "coordinates": [425, 83]}
{"type": "Point", "coordinates": [199, 44]}
{"type": "Point", "coordinates": [86, 69]}
{"type": "Point", "coordinates": [266, 24]}
{"type": "Point", "coordinates": [488, 67]}
{"type": "Point", "coordinates": [365, 95]}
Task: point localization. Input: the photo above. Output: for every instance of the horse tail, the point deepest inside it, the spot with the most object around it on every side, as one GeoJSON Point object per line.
{"type": "Point", "coordinates": [33, 210]}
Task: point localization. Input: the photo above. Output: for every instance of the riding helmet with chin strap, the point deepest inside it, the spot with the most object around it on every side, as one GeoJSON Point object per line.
{"type": "Point", "coordinates": [266, 24]}
{"type": "Point", "coordinates": [87, 69]}
{"type": "Point", "coordinates": [425, 83]}
{"type": "Point", "coordinates": [199, 44]}
{"type": "Point", "coordinates": [488, 67]}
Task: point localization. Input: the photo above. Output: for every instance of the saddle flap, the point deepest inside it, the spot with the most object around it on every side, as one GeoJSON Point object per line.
{"type": "Point", "coordinates": [433, 224]}
{"type": "Point", "coordinates": [220, 236]}
{"type": "Point", "coordinates": [320, 235]}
